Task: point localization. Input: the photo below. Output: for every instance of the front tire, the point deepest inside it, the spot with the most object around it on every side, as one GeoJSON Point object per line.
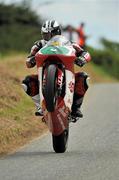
{"type": "Point", "coordinates": [50, 90]}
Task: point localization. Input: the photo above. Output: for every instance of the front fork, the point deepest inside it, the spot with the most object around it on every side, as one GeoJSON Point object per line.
{"type": "Point", "coordinates": [57, 121]}
{"type": "Point", "coordinates": [69, 89]}
{"type": "Point", "coordinates": [60, 76]}
{"type": "Point", "coordinates": [69, 85]}
{"type": "Point", "coordinates": [40, 72]}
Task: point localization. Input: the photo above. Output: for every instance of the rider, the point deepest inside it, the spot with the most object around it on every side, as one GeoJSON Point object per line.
{"type": "Point", "coordinates": [31, 84]}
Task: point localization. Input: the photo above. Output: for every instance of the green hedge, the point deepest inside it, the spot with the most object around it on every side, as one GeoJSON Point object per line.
{"type": "Point", "coordinates": [19, 27]}
{"type": "Point", "coordinates": [107, 57]}
{"type": "Point", "coordinates": [17, 37]}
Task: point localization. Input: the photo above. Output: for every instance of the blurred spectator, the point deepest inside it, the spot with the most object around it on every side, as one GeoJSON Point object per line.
{"type": "Point", "coordinates": [69, 29]}
{"type": "Point", "coordinates": [80, 32]}
{"type": "Point", "coordinates": [81, 35]}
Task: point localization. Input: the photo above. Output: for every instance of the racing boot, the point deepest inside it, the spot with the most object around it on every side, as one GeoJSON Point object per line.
{"type": "Point", "coordinates": [36, 100]}
{"type": "Point", "coordinates": [76, 112]}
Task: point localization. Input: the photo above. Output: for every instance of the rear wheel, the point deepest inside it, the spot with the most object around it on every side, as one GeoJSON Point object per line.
{"type": "Point", "coordinates": [60, 142]}
{"type": "Point", "coordinates": [50, 89]}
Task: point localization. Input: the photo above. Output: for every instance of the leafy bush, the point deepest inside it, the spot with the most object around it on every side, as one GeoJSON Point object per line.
{"type": "Point", "coordinates": [108, 57]}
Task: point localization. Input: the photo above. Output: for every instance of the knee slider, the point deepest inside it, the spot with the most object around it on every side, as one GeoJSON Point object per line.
{"type": "Point", "coordinates": [85, 76]}
{"type": "Point", "coordinates": [26, 85]}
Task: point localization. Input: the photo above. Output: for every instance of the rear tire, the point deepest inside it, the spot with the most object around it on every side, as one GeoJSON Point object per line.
{"type": "Point", "coordinates": [60, 142]}
{"type": "Point", "coordinates": [50, 90]}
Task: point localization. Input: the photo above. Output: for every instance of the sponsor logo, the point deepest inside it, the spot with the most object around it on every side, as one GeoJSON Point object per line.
{"type": "Point", "coordinates": [53, 50]}
{"type": "Point", "coordinates": [55, 43]}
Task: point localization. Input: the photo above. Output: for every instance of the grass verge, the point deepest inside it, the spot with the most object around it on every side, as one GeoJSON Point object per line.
{"type": "Point", "coordinates": [18, 125]}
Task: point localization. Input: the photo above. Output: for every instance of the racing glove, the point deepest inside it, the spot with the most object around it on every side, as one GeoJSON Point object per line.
{"type": "Point", "coordinates": [30, 62]}
{"type": "Point", "coordinates": [80, 61]}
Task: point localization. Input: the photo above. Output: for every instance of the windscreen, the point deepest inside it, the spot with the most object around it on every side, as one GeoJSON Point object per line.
{"type": "Point", "coordinates": [59, 40]}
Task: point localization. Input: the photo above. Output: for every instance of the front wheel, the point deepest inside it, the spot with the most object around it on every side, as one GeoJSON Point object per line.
{"type": "Point", "coordinates": [60, 141]}
{"type": "Point", "coordinates": [50, 88]}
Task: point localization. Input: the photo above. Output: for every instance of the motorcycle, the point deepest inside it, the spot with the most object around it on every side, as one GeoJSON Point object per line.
{"type": "Point", "coordinates": [55, 65]}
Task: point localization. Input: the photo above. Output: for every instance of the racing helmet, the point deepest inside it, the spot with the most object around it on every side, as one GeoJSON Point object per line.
{"type": "Point", "coordinates": [49, 29]}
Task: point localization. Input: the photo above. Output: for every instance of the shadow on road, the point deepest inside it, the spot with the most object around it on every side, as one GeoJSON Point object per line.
{"type": "Point", "coordinates": [105, 153]}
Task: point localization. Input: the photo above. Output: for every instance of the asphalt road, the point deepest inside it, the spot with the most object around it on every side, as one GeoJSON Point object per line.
{"type": "Point", "coordinates": [93, 148]}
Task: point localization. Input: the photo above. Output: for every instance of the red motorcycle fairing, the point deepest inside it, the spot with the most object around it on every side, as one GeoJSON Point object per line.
{"type": "Point", "coordinates": [68, 61]}
{"type": "Point", "coordinates": [56, 120]}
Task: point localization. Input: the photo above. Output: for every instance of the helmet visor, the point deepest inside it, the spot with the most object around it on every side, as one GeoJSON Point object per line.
{"type": "Point", "coordinates": [46, 36]}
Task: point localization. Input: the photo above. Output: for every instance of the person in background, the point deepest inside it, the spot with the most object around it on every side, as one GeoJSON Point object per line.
{"type": "Point", "coordinates": [30, 84]}
{"type": "Point", "coordinates": [81, 35]}
{"type": "Point", "coordinates": [69, 30]}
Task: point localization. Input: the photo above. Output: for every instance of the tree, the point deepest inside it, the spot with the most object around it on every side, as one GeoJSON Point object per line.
{"type": "Point", "coordinates": [19, 26]}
